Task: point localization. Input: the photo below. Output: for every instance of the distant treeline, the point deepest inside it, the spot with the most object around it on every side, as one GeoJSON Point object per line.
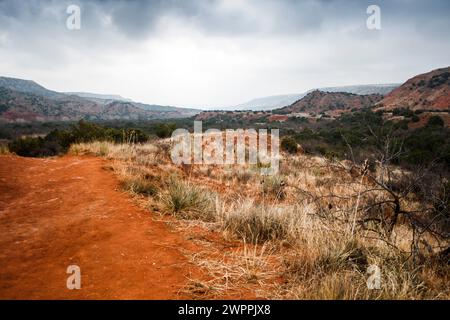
{"type": "Point", "coordinates": [58, 141]}
{"type": "Point", "coordinates": [10, 131]}
{"type": "Point", "coordinates": [365, 134]}
{"type": "Point", "coordinates": [358, 135]}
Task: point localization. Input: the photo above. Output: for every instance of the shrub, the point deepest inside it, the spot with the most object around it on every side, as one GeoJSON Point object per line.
{"type": "Point", "coordinates": [435, 121]}
{"type": "Point", "coordinates": [289, 145]}
{"type": "Point", "coordinates": [3, 108]}
{"type": "Point", "coordinates": [164, 130]}
{"type": "Point", "coordinates": [406, 112]}
{"type": "Point", "coordinates": [5, 134]}
{"type": "Point", "coordinates": [427, 144]}
{"type": "Point", "coordinates": [35, 147]}
{"type": "Point", "coordinates": [188, 201]}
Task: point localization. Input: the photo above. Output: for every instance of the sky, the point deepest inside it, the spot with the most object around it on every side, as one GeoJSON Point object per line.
{"type": "Point", "coordinates": [219, 53]}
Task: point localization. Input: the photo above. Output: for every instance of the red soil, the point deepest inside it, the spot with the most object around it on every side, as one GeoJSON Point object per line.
{"type": "Point", "coordinates": [68, 211]}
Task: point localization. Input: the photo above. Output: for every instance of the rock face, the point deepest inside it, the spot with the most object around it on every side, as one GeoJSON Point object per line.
{"type": "Point", "coordinates": [319, 101]}
{"type": "Point", "coordinates": [25, 100]}
{"type": "Point", "coordinates": [429, 91]}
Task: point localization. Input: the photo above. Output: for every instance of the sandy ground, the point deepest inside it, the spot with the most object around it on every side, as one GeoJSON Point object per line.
{"type": "Point", "coordinates": [69, 211]}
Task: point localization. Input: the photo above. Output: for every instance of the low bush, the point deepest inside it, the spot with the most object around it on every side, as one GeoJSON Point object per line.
{"type": "Point", "coordinates": [164, 130]}
{"type": "Point", "coordinates": [405, 112]}
{"type": "Point", "coordinates": [435, 121]}
{"type": "Point", "coordinates": [35, 147]}
{"type": "Point", "coordinates": [289, 145]}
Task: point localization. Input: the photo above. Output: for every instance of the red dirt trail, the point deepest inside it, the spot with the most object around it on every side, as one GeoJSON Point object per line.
{"type": "Point", "coordinates": [69, 211]}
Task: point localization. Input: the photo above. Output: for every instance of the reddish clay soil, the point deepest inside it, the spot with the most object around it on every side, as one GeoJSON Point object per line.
{"type": "Point", "coordinates": [70, 211]}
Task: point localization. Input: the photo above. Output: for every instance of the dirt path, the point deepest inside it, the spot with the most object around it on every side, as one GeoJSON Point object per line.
{"type": "Point", "coordinates": [69, 211]}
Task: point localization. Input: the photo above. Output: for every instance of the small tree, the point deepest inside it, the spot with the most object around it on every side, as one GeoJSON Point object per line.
{"type": "Point", "coordinates": [435, 121]}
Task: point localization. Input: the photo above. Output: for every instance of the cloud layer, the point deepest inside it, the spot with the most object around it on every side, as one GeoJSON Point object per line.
{"type": "Point", "coordinates": [211, 53]}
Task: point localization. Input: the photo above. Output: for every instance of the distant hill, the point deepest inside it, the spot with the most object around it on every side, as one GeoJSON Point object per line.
{"type": "Point", "coordinates": [25, 107]}
{"type": "Point", "coordinates": [107, 98]}
{"type": "Point", "coordinates": [25, 100]}
{"type": "Point", "coordinates": [364, 89]}
{"type": "Point", "coordinates": [279, 101]}
{"type": "Point", "coordinates": [429, 91]}
{"type": "Point", "coordinates": [331, 102]}
{"type": "Point", "coordinates": [27, 86]}
{"type": "Point", "coordinates": [159, 108]}
{"type": "Point", "coordinates": [268, 103]}
{"type": "Point", "coordinates": [97, 96]}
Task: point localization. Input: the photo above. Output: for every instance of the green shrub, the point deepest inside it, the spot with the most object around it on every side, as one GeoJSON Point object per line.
{"type": "Point", "coordinates": [289, 145]}
{"type": "Point", "coordinates": [428, 144]}
{"type": "Point", "coordinates": [35, 147]}
{"type": "Point", "coordinates": [435, 121]}
{"type": "Point", "coordinates": [406, 112]}
{"type": "Point", "coordinates": [164, 130]}
{"type": "Point", "coordinates": [3, 108]}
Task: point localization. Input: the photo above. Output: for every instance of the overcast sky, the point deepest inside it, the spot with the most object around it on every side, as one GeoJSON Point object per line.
{"type": "Point", "coordinates": [219, 53]}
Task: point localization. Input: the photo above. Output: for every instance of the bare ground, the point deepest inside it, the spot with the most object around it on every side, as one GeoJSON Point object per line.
{"type": "Point", "coordinates": [70, 211]}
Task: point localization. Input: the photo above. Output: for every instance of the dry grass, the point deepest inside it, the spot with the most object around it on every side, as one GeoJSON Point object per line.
{"type": "Point", "coordinates": [274, 187]}
{"type": "Point", "coordinates": [4, 149]}
{"type": "Point", "coordinates": [187, 201]}
{"type": "Point", "coordinates": [316, 249]}
{"type": "Point", "coordinates": [139, 185]}
{"type": "Point", "coordinates": [249, 270]}
{"type": "Point", "coordinates": [258, 223]}
{"type": "Point", "coordinates": [98, 148]}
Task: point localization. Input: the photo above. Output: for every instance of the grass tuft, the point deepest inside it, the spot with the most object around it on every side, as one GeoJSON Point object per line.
{"type": "Point", "coordinates": [187, 201]}
{"type": "Point", "coordinates": [4, 149]}
{"type": "Point", "coordinates": [139, 185]}
{"type": "Point", "coordinates": [274, 186]}
{"type": "Point", "coordinates": [258, 223]}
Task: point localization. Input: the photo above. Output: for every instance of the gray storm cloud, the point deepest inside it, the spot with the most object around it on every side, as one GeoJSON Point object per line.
{"type": "Point", "coordinates": [219, 52]}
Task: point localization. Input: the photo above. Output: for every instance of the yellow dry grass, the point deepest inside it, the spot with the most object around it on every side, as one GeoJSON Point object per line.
{"type": "Point", "coordinates": [316, 250]}
{"type": "Point", "coordinates": [4, 149]}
